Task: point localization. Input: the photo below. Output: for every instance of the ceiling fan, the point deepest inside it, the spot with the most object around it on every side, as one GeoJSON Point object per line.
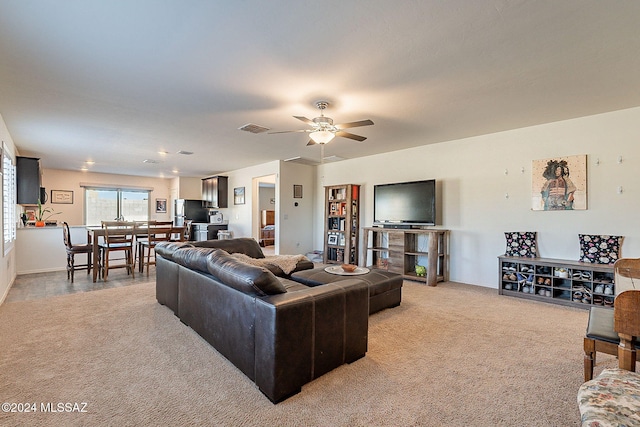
{"type": "Point", "coordinates": [323, 130]}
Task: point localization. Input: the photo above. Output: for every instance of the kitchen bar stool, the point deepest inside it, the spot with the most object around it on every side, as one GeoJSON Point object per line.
{"type": "Point", "coordinates": [118, 237]}
{"type": "Point", "coordinates": [157, 231]}
{"type": "Point", "coordinates": [73, 250]}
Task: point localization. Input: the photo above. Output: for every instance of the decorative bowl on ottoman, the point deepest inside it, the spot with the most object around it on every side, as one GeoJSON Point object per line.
{"type": "Point", "coordinates": [349, 268]}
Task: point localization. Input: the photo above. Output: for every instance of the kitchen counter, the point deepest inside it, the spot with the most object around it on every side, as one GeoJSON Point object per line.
{"type": "Point", "coordinates": [41, 249]}
{"type": "Point", "coordinates": [207, 230]}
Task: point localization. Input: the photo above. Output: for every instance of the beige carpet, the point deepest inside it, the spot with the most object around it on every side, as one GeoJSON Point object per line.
{"type": "Point", "coordinates": [453, 355]}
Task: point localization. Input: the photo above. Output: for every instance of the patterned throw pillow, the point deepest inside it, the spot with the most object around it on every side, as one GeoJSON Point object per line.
{"type": "Point", "coordinates": [521, 243]}
{"type": "Point", "coordinates": [597, 249]}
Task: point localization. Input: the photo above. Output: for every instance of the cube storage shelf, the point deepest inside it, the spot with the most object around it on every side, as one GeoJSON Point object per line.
{"type": "Point", "coordinates": [565, 282]}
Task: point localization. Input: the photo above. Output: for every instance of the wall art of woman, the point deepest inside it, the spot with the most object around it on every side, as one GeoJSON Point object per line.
{"type": "Point", "coordinates": [557, 191]}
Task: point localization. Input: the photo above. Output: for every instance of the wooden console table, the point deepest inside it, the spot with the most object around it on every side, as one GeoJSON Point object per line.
{"type": "Point", "coordinates": [400, 250]}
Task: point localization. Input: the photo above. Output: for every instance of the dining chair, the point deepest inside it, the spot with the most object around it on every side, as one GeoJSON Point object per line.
{"type": "Point", "coordinates": [118, 237]}
{"type": "Point", "coordinates": [612, 398]}
{"type": "Point", "coordinates": [601, 334]}
{"type": "Point", "coordinates": [140, 232]}
{"type": "Point", "coordinates": [184, 234]}
{"type": "Point", "coordinates": [157, 231]}
{"type": "Point", "coordinates": [73, 250]}
{"type": "Point", "coordinates": [627, 325]}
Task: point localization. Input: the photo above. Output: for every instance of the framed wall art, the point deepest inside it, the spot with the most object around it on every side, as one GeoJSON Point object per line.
{"type": "Point", "coordinates": [31, 214]}
{"type": "Point", "coordinates": [62, 197]}
{"type": "Point", "coordinates": [161, 205]}
{"type": "Point", "coordinates": [559, 184]}
{"type": "Point", "coordinates": [297, 191]}
{"type": "Point", "coordinates": [238, 196]}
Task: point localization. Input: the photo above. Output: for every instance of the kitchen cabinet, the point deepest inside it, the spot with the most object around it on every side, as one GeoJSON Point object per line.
{"type": "Point", "coordinates": [28, 181]}
{"type": "Point", "coordinates": [215, 191]}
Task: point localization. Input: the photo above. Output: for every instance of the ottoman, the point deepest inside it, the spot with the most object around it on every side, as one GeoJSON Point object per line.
{"type": "Point", "coordinates": [385, 288]}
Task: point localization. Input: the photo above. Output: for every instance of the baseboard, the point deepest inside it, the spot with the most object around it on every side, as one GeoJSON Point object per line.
{"type": "Point", "coordinates": [6, 291]}
{"type": "Point", "coordinates": [43, 270]}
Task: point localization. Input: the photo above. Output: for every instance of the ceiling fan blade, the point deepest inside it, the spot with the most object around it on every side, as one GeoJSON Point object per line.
{"type": "Point", "coordinates": [355, 124]}
{"type": "Point", "coordinates": [304, 119]}
{"type": "Point", "coordinates": [351, 136]}
{"type": "Point", "coordinates": [311, 142]}
{"type": "Point", "coordinates": [287, 131]}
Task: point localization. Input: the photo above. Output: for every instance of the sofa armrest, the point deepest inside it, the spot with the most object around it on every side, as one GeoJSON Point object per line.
{"type": "Point", "coordinates": [304, 334]}
{"type": "Point", "coordinates": [167, 283]}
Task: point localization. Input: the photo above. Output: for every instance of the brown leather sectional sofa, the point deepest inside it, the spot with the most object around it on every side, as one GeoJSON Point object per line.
{"type": "Point", "coordinates": [279, 333]}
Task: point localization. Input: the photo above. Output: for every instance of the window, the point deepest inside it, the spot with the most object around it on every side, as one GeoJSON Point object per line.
{"type": "Point", "coordinates": [107, 204]}
{"type": "Point", "coordinates": [8, 201]}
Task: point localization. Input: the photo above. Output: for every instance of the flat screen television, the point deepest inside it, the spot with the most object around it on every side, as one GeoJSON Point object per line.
{"type": "Point", "coordinates": [405, 203]}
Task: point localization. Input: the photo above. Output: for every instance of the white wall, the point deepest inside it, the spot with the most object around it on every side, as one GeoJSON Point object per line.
{"type": "Point", "coordinates": [8, 264]}
{"type": "Point", "coordinates": [295, 219]}
{"type": "Point", "coordinates": [241, 217]}
{"type": "Point", "coordinates": [265, 196]}
{"type": "Point", "coordinates": [472, 174]}
{"type": "Point", "coordinates": [54, 179]}
{"type": "Point", "coordinates": [294, 224]}
{"type": "Point", "coordinates": [190, 188]}
{"type": "Point", "coordinates": [183, 188]}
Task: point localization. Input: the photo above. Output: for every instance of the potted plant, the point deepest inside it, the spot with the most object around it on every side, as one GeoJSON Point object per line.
{"type": "Point", "coordinates": [42, 214]}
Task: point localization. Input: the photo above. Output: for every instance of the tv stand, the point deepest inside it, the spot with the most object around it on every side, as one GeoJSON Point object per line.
{"type": "Point", "coordinates": [397, 226]}
{"type": "Point", "coordinates": [401, 250]}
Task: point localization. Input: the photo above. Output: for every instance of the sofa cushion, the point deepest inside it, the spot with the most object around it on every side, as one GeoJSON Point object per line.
{"type": "Point", "coordinates": [167, 249]}
{"type": "Point", "coordinates": [244, 245]}
{"type": "Point", "coordinates": [610, 399]}
{"type": "Point", "coordinates": [293, 286]}
{"type": "Point", "coordinates": [241, 276]}
{"type": "Point", "coordinates": [194, 258]}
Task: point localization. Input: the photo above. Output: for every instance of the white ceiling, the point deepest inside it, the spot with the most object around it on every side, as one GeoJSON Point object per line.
{"type": "Point", "coordinates": [117, 81]}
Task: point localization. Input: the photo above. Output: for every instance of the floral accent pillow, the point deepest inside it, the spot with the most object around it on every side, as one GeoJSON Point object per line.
{"type": "Point", "coordinates": [521, 243]}
{"type": "Point", "coordinates": [597, 249]}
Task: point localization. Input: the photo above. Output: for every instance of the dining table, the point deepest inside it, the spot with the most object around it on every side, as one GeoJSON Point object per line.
{"type": "Point", "coordinates": [94, 233]}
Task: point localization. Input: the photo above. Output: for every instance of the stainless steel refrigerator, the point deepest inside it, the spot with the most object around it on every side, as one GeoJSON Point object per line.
{"type": "Point", "coordinates": [189, 210]}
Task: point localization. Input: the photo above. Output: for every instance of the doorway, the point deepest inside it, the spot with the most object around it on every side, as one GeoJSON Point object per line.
{"type": "Point", "coordinates": [266, 213]}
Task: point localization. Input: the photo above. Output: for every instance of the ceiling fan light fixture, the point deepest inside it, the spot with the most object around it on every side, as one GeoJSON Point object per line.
{"type": "Point", "coordinates": [322, 136]}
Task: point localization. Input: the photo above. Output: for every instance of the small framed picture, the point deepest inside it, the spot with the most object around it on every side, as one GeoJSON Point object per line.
{"type": "Point", "coordinates": [161, 205]}
{"type": "Point", "coordinates": [238, 196]}
{"type": "Point", "coordinates": [62, 197]}
{"type": "Point", "coordinates": [297, 191]}
{"type": "Point", "coordinates": [332, 239]}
